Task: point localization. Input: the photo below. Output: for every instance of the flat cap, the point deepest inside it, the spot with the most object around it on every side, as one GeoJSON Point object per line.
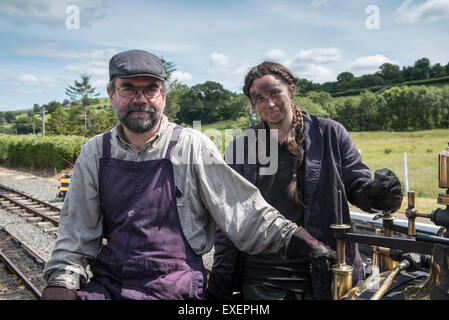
{"type": "Point", "coordinates": [136, 63]}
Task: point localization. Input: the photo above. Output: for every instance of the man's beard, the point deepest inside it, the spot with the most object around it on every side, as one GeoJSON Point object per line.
{"type": "Point", "coordinates": [139, 123]}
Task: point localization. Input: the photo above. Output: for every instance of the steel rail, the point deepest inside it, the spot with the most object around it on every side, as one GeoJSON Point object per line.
{"type": "Point", "coordinates": [30, 197]}
{"type": "Point", "coordinates": [11, 266]}
{"type": "Point", "coordinates": [32, 210]}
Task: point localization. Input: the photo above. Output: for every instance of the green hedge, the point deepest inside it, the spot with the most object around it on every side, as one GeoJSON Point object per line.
{"type": "Point", "coordinates": [33, 151]}
{"type": "Point", "coordinates": [426, 81]}
{"type": "Point", "coordinates": [356, 92]}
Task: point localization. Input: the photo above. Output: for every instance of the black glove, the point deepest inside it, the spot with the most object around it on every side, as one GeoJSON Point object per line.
{"type": "Point", "coordinates": [384, 192]}
{"type": "Point", "coordinates": [219, 287]}
{"type": "Point", "coordinates": [58, 293]}
{"type": "Point", "coordinates": [321, 256]}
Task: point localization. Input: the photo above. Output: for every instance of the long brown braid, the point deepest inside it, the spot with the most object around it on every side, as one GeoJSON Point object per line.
{"type": "Point", "coordinates": [295, 137]}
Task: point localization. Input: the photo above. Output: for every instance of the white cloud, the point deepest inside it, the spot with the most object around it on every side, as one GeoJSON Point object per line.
{"type": "Point", "coordinates": [314, 72]}
{"type": "Point", "coordinates": [52, 49]}
{"type": "Point", "coordinates": [94, 68]}
{"type": "Point", "coordinates": [369, 64]}
{"type": "Point", "coordinates": [182, 76]}
{"type": "Point", "coordinates": [36, 80]}
{"type": "Point", "coordinates": [319, 55]}
{"type": "Point", "coordinates": [429, 11]}
{"type": "Point", "coordinates": [275, 54]}
{"type": "Point", "coordinates": [221, 64]}
{"type": "Point", "coordinates": [218, 62]}
{"type": "Point", "coordinates": [27, 91]}
{"type": "Point", "coordinates": [10, 106]}
{"type": "Point", "coordinates": [48, 11]}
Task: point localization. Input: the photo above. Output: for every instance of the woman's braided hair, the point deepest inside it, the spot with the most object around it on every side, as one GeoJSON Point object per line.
{"type": "Point", "coordinates": [295, 138]}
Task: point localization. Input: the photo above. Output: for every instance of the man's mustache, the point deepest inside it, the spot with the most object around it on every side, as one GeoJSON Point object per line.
{"type": "Point", "coordinates": [142, 108]}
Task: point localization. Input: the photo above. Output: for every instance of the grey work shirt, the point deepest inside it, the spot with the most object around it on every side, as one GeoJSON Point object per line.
{"type": "Point", "coordinates": [213, 195]}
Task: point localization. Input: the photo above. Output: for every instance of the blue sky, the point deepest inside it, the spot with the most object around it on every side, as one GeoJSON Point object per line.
{"type": "Point", "coordinates": [210, 40]}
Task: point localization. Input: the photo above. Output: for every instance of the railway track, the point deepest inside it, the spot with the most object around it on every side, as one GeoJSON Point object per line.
{"type": "Point", "coordinates": [42, 213]}
{"type": "Point", "coordinates": [20, 270]}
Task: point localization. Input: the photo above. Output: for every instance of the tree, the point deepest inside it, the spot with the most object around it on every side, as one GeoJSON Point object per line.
{"type": "Point", "coordinates": [437, 71]}
{"type": "Point", "coordinates": [52, 105]}
{"type": "Point", "coordinates": [66, 103]}
{"type": "Point", "coordinates": [9, 116]}
{"type": "Point", "coordinates": [390, 73]}
{"type": "Point", "coordinates": [82, 91]}
{"type": "Point", "coordinates": [25, 124]}
{"type": "Point", "coordinates": [421, 69]}
{"type": "Point", "coordinates": [214, 98]}
{"type": "Point", "coordinates": [344, 80]}
{"type": "Point", "coordinates": [85, 92]}
{"type": "Point", "coordinates": [345, 77]}
{"type": "Point", "coordinates": [172, 106]}
{"type": "Point", "coordinates": [169, 67]}
{"type": "Point", "coordinates": [324, 100]}
{"type": "Point", "coordinates": [57, 121]}
{"type": "Point", "coordinates": [304, 86]}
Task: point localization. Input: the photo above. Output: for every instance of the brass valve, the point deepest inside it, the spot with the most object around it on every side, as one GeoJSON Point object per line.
{"type": "Point", "coordinates": [443, 176]}
{"type": "Point", "coordinates": [341, 272]}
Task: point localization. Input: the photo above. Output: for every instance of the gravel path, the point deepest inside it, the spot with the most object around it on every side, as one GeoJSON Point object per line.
{"type": "Point", "coordinates": [43, 189]}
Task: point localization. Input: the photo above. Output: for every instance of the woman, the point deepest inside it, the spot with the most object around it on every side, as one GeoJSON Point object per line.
{"type": "Point", "coordinates": [316, 157]}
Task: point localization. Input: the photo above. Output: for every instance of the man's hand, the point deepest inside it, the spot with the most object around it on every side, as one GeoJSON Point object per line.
{"type": "Point", "coordinates": [321, 256]}
{"type": "Point", "coordinates": [58, 293]}
{"type": "Point", "coordinates": [384, 192]}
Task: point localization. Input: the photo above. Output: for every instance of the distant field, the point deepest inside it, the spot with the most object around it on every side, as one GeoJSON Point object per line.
{"type": "Point", "coordinates": [386, 150]}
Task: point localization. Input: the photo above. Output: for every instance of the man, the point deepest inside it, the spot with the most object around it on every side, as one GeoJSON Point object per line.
{"type": "Point", "coordinates": [156, 193]}
{"type": "Point", "coordinates": [316, 158]}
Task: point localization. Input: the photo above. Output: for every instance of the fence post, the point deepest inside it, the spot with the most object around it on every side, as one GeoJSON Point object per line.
{"type": "Point", "coordinates": [43, 122]}
{"type": "Point", "coordinates": [405, 174]}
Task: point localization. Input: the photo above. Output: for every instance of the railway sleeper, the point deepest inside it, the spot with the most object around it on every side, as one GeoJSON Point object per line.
{"type": "Point", "coordinates": [51, 230]}
{"type": "Point", "coordinates": [44, 224]}
{"type": "Point", "coordinates": [9, 205]}
{"type": "Point", "coordinates": [26, 214]}
{"type": "Point", "coordinates": [50, 213]}
{"type": "Point", "coordinates": [34, 219]}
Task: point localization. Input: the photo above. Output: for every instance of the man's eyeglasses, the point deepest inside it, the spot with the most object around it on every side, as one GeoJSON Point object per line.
{"type": "Point", "coordinates": [150, 92]}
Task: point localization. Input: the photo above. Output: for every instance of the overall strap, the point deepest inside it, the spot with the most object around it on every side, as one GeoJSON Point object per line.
{"type": "Point", "coordinates": [107, 144]}
{"type": "Point", "coordinates": [173, 140]}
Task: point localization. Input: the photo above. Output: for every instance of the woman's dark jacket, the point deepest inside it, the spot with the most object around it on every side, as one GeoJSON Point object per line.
{"type": "Point", "coordinates": [332, 163]}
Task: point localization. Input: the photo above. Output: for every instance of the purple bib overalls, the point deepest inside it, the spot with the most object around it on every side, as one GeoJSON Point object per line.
{"type": "Point", "coordinates": [147, 255]}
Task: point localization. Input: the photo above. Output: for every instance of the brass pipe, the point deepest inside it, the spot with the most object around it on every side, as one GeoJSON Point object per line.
{"type": "Point", "coordinates": [389, 280]}
{"type": "Point", "coordinates": [341, 251]}
{"type": "Point", "coordinates": [382, 251]}
{"type": "Point", "coordinates": [375, 262]}
{"type": "Point", "coordinates": [386, 263]}
{"type": "Point", "coordinates": [411, 213]}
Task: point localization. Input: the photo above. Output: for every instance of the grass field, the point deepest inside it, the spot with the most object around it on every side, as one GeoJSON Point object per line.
{"type": "Point", "coordinates": [386, 150]}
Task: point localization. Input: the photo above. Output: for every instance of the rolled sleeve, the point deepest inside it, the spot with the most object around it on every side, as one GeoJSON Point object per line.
{"type": "Point", "coordinates": [80, 228]}
{"type": "Point", "coordinates": [237, 206]}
